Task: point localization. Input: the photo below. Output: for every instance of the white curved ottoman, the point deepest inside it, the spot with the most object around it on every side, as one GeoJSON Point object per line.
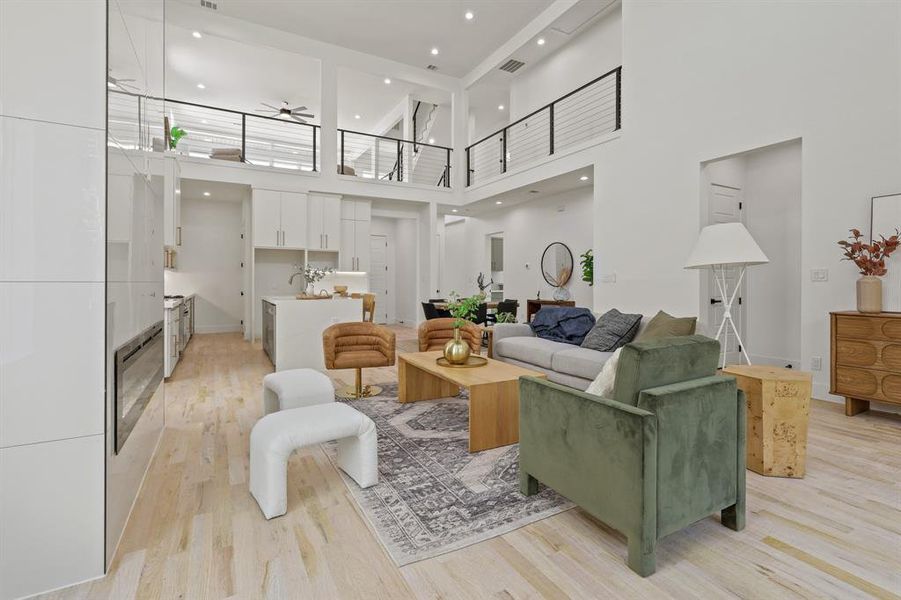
{"type": "Point", "coordinates": [295, 388]}
{"type": "Point", "coordinates": [276, 436]}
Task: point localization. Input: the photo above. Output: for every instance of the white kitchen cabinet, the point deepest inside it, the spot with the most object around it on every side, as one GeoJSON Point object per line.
{"type": "Point", "coordinates": [172, 203]}
{"type": "Point", "coordinates": [354, 255]}
{"type": "Point", "coordinates": [356, 210]}
{"type": "Point", "coordinates": [279, 219]}
{"type": "Point", "coordinates": [324, 224]}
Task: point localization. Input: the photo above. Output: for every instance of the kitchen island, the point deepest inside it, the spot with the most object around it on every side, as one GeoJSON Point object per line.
{"type": "Point", "coordinates": [292, 328]}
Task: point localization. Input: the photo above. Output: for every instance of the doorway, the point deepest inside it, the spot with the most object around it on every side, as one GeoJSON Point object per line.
{"type": "Point", "coordinates": [495, 291]}
{"type": "Point", "coordinates": [760, 188]}
{"type": "Point", "coordinates": [378, 278]}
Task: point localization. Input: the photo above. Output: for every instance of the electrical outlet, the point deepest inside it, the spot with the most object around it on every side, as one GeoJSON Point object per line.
{"type": "Point", "coordinates": [816, 363]}
{"type": "Point", "coordinates": [819, 275]}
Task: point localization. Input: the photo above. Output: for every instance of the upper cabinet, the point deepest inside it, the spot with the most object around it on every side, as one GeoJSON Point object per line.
{"type": "Point", "coordinates": [356, 210]}
{"type": "Point", "coordinates": [279, 219]}
{"type": "Point", "coordinates": [324, 225]}
{"type": "Point", "coordinates": [171, 202]}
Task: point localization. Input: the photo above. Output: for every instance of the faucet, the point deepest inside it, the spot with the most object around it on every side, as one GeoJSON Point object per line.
{"type": "Point", "coordinates": [291, 279]}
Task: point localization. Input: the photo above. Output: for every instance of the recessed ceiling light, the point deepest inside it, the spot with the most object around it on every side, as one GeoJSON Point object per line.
{"type": "Point", "coordinates": [454, 210]}
{"type": "Point", "coordinates": [177, 191]}
{"type": "Point", "coordinates": [200, 86]}
{"type": "Point", "coordinates": [356, 116]}
{"type": "Point", "coordinates": [387, 81]}
{"type": "Point", "coordinates": [434, 51]}
{"type": "Point", "coordinates": [583, 178]}
{"type": "Point", "coordinates": [498, 202]}
{"type": "Point", "coordinates": [468, 14]}
{"type": "Point", "coordinates": [431, 140]}
{"type": "Point", "coordinates": [500, 107]}
{"type": "Point", "coordinates": [207, 194]}
{"type": "Point", "coordinates": [197, 34]}
{"type": "Point", "coordinates": [540, 41]}
{"type": "Point", "coordinates": [204, 121]}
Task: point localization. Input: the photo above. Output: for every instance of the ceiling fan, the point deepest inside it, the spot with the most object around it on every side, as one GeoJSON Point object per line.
{"type": "Point", "coordinates": [295, 113]}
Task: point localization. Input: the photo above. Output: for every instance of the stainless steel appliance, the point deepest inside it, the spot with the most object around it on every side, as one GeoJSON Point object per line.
{"type": "Point", "coordinates": [269, 330]}
{"type": "Point", "coordinates": [138, 375]}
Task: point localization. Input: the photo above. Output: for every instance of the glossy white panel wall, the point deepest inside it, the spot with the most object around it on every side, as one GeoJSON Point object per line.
{"type": "Point", "coordinates": [134, 250]}
{"type": "Point", "coordinates": [52, 237]}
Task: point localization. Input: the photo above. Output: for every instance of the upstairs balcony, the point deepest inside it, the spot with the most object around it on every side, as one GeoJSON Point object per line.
{"type": "Point", "coordinates": [281, 143]}
{"type": "Point", "coordinates": [574, 121]}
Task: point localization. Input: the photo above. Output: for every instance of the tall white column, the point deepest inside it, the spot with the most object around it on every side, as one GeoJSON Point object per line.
{"type": "Point", "coordinates": [52, 286]}
{"type": "Point", "coordinates": [329, 120]}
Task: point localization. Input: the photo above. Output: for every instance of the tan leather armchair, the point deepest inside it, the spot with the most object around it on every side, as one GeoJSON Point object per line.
{"type": "Point", "coordinates": [358, 346]}
{"type": "Point", "coordinates": [435, 333]}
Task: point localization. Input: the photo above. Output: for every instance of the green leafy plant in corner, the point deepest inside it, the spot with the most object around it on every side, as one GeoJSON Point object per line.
{"type": "Point", "coordinates": [175, 134]}
{"type": "Point", "coordinates": [464, 309]}
{"type": "Point", "coordinates": [587, 263]}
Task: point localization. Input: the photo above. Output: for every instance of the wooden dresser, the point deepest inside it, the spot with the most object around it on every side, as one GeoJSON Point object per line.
{"type": "Point", "coordinates": [866, 359]}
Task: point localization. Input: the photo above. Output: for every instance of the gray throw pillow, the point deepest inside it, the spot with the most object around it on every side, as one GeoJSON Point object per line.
{"type": "Point", "coordinates": [612, 330]}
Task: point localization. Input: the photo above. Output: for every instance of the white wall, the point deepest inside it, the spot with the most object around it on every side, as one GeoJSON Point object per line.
{"type": "Point", "coordinates": [773, 203]}
{"type": "Point", "coordinates": [209, 263]}
{"type": "Point", "coordinates": [52, 308]}
{"type": "Point", "coordinates": [590, 54]}
{"type": "Point", "coordinates": [703, 80]}
{"type": "Point", "coordinates": [528, 228]}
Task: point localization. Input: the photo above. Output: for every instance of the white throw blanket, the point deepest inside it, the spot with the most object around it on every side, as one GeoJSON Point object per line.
{"type": "Point", "coordinates": [603, 383]}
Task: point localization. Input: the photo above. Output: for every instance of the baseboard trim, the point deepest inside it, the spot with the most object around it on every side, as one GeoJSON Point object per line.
{"type": "Point", "coordinates": [219, 329]}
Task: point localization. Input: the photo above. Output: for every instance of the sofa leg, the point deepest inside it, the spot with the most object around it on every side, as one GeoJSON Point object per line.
{"type": "Point", "coordinates": [642, 556]}
{"type": "Point", "coordinates": [733, 516]}
{"type": "Point", "coordinates": [528, 485]}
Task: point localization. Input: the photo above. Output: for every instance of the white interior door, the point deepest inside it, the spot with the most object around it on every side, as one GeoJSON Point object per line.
{"type": "Point", "coordinates": [725, 206]}
{"type": "Point", "coordinates": [378, 276]}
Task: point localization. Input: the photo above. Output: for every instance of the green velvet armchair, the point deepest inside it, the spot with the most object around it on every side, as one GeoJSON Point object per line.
{"type": "Point", "coordinates": [667, 450]}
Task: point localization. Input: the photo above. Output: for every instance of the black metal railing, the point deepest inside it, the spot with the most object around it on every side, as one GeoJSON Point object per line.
{"type": "Point", "coordinates": [583, 114]}
{"type": "Point", "coordinates": [392, 159]}
{"type": "Point", "coordinates": [214, 132]}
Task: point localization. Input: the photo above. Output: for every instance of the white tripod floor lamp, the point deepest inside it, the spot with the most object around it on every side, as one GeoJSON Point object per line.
{"type": "Point", "coordinates": [718, 247]}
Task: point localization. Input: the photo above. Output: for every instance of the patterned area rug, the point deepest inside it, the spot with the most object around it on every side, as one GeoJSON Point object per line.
{"type": "Point", "coordinates": [433, 496]}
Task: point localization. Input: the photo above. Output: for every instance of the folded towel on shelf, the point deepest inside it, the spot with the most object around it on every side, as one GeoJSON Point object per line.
{"type": "Point", "coordinates": [233, 154]}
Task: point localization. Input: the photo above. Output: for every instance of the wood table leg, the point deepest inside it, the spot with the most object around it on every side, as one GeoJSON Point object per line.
{"type": "Point", "coordinates": [853, 406]}
{"type": "Point", "coordinates": [415, 384]}
{"type": "Point", "coordinates": [493, 415]}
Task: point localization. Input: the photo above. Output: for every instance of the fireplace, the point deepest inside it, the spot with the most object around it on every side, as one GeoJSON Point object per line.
{"type": "Point", "coordinates": [138, 375]}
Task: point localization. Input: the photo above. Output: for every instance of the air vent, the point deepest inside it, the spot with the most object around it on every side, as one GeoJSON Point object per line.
{"type": "Point", "coordinates": [432, 67]}
{"type": "Point", "coordinates": [209, 5]}
{"type": "Point", "coordinates": [512, 65]}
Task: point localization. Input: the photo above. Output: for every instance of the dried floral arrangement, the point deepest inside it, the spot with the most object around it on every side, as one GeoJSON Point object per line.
{"type": "Point", "coordinates": [869, 258]}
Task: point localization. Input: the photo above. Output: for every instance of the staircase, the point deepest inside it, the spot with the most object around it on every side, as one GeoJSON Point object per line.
{"type": "Point", "coordinates": [421, 136]}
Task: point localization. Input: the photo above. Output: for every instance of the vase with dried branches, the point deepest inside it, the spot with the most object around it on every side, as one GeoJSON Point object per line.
{"type": "Point", "coordinates": [870, 260]}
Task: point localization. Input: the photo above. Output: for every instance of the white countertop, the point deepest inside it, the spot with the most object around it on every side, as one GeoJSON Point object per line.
{"type": "Point", "coordinates": [291, 299]}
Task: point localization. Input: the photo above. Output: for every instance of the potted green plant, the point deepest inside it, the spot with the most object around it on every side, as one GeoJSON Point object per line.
{"type": "Point", "coordinates": [463, 309]}
{"type": "Point", "coordinates": [175, 134]}
{"type": "Point", "coordinates": [587, 263]}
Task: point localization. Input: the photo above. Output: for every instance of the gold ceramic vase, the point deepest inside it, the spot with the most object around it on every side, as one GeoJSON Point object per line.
{"type": "Point", "coordinates": [869, 294]}
{"type": "Point", "coordinates": [456, 351]}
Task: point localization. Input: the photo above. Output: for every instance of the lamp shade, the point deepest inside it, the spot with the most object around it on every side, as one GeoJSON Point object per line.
{"type": "Point", "coordinates": [725, 244]}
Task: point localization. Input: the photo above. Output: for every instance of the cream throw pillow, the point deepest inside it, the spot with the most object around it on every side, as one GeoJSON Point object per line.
{"type": "Point", "coordinates": [603, 383]}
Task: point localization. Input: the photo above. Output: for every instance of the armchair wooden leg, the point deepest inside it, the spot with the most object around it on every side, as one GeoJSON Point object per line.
{"type": "Point", "coordinates": [528, 485]}
{"type": "Point", "coordinates": [733, 516]}
{"type": "Point", "coordinates": [642, 555]}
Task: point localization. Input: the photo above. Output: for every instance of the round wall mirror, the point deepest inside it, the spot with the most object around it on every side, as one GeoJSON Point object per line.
{"type": "Point", "coordinates": [557, 264]}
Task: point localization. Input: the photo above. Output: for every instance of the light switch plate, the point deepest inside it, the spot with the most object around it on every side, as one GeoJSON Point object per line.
{"type": "Point", "coordinates": [608, 278]}
{"type": "Point", "coordinates": [819, 275]}
{"type": "Point", "coordinates": [816, 363]}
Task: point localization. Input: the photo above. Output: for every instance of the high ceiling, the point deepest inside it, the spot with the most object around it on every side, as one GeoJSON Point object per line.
{"type": "Point", "coordinates": [401, 30]}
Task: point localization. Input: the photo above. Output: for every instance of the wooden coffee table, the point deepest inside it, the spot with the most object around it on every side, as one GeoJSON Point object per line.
{"type": "Point", "coordinates": [493, 394]}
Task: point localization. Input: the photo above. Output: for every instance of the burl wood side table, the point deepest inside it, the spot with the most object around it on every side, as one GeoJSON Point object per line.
{"type": "Point", "coordinates": [778, 413]}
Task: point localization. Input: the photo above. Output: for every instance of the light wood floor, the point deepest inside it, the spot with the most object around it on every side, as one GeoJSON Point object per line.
{"type": "Point", "coordinates": [196, 533]}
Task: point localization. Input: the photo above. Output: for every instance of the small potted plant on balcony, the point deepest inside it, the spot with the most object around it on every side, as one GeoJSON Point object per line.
{"type": "Point", "coordinates": [456, 351]}
{"type": "Point", "coordinates": [870, 259]}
